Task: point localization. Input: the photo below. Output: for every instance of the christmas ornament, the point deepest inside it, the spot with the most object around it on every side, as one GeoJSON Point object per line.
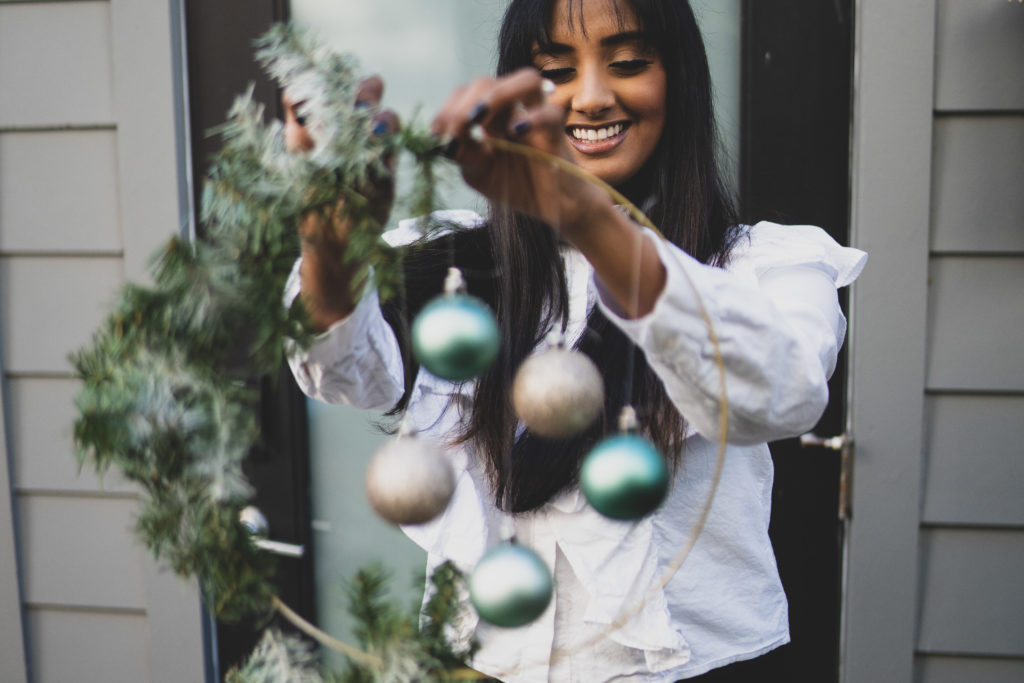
{"type": "Point", "coordinates": [455, 336]}
{"type": "Point", "coordinates": [558, 392]}
{"type": "Point", "coordinates": [624, 477]}
{"type": "Point", "coordinates": [510, 586]}
{"type": "Point", "coordinates": [409, 481]}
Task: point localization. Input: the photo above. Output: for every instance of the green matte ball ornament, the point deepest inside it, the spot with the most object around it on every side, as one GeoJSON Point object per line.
{"type": "Point", "coordinates": [510, 586]}
{"type": "Point", "coordinates": [624, 477]}
{"type": "Point", "coordinates": [455, 336]}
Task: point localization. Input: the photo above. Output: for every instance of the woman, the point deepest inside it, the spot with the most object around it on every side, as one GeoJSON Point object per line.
{"type": "Point", "coordinates": [631, 103]}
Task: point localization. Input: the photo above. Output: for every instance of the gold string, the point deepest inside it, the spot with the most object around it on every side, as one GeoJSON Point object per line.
{"type": "Point", "coordinates": [723, 430]}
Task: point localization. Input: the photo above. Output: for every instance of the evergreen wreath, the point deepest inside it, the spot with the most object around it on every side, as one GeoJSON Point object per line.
{"type": "Point", "coordinates": [170, 380]}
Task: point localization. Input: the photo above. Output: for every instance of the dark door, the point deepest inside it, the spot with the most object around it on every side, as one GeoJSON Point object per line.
{"type": "Point", "coordinates": [794, 161]}
{"type": "Point", "coordinates": [220, 66]}
{"type": "Point", "coordinates": [794, 168]}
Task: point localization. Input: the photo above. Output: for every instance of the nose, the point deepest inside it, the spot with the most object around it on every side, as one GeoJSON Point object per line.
{"type": "Point", "coordinates": [593, 95]}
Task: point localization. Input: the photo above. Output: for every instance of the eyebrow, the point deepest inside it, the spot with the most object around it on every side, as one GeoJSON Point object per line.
{"type": "Point", "coordinates": [607, 41]}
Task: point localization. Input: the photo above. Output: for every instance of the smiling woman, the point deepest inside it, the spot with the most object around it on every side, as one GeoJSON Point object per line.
{"type": "Point", "coordinates": [612, 84]}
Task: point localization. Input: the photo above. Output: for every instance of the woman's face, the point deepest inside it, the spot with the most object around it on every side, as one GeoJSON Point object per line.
{"type": "Point", "coordinates": [611, 83]}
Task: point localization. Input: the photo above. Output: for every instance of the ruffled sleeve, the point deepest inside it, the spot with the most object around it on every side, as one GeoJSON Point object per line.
{"type": "Point", "coordinates": [776, 314]}
{"type": "Point", "coordinates": [356, 361]}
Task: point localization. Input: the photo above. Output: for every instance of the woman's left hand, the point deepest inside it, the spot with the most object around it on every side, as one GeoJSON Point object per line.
{"type": "Point", "coordinates": [515, 108]}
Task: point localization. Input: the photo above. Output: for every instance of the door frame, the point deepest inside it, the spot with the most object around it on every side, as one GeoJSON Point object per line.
{"type": "Point", "coordinates": [219, 37]}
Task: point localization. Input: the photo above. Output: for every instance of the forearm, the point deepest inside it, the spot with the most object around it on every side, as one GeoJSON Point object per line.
{"type": "Point", "coordinates": [625, 262]}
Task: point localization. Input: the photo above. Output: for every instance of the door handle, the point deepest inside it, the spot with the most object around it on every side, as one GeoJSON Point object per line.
{"type": "Point", "coordinates": [255, 523]}
{"type": "Point", "coordinates": [842, 443]}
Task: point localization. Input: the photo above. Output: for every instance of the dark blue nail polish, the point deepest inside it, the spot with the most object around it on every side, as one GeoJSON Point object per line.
{"type": "Point", "coordinates": [301, 120]}
{"type": "Point", "coordinates": [380, 128]}
{"type": "Point", "coordinates": [478, 113]}
{"type": "Point", "coordinates": [362, 104]}
{"type": "Point", "coordinates": [522, 127]}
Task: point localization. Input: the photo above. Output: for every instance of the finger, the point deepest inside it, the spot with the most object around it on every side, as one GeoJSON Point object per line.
{"type": "Point", "coordinates": [385, 122]}
{"type": "Point", "coordinates": [511, 98]}
{"type": "Point", "coordinates": [370, 92]}
{"type": "Point", "coordinates": [451, 120]}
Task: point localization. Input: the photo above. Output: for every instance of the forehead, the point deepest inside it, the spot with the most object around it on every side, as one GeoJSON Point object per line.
{"type": "Point", "coordinates": [574, 20]}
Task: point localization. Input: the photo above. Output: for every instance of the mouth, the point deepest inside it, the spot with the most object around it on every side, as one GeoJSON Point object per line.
{"type": "Point", "coordinates": [597, 139]}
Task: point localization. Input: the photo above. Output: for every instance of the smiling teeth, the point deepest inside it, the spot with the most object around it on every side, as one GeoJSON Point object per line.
{"type": "Point", "coordinates": [592, 135]}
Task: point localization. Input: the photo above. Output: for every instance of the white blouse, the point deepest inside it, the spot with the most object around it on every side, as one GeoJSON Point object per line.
{"type": "Point", "coordinates": [779, 325]}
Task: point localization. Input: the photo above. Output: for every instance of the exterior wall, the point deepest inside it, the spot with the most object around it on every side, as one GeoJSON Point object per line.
{"type": "Point", "coordinates": [90, 181]}
{"type": "Point", "coordinates": [934, 587]}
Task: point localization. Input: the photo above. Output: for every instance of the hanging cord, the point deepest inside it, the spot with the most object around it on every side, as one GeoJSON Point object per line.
{"type": "Point", "coordinates": [723, 431]}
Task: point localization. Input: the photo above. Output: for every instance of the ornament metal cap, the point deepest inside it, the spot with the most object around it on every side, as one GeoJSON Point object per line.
{"type": "Point", "coordinates": [627, 419]}
{"type": "Point", "coordinates": [454, 283]}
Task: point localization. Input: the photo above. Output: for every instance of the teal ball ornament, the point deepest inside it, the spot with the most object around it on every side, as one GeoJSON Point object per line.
{"type": "Point", "coordinates": [624, 477]}
{"type": "Point", "coordinates": [510, 586]}
{"type": "Point", "coordinates": [455, 337]}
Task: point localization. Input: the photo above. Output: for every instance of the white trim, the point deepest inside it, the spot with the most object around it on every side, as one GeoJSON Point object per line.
{"type": "Point", "coordinates": [12, 641]}
{"type": "Point", "coordinates": [146, 61]}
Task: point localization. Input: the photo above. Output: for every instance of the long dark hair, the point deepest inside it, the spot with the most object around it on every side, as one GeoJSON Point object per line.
{"type": "Point", "coordinates": [518, 268]}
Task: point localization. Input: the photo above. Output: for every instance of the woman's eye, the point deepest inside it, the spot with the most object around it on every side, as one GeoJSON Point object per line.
{"type": "Point", "coordinates": [630, 67]}
{"type": "Point", "coordinates": [560, 75]}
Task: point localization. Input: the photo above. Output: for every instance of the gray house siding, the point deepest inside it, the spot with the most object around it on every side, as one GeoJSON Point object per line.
{"type": "Point", "coordinates": [90, 184]}
{"type": "Point", "coordinates": [935, 589]}
{"type": "Point", "coordinates": [971, 587]}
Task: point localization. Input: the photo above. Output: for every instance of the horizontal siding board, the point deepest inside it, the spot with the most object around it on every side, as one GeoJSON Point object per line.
{"type": "Point", "coordinates": [979, 53]}
{"type": "Point", "coordinates": [59, 191]}
{"type": "Point", "coordinates": [42, 415]}
{"type": "Point", "coordinates": [977, 202]}
{"type": "Point", "coordinates": [938, 669]}
{"type": "Point", "coordinates": [52, 307]}
{"type": "Point", "coordinates": [976, 323]}
{"type": "Point", "coordinates": [81, 552]}
{"type": "Point", "coordinates": [975, 460]}
{"type": "Point", "coordinates": [55, 64]}
{"type": "Point", "coordinates": [87, 647]}
{"type": "Point", "coordinates": [972, 592]}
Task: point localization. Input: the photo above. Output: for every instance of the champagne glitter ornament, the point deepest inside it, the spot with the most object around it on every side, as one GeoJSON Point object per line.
{"type": "Point", "coordinates": [455, 336]}
{"type": "Point", "coordinates": [409, 481]}
{"type": "Point", "coordinates": [558, 392]}
{"type": "Point", "coordinates": [510, 586]}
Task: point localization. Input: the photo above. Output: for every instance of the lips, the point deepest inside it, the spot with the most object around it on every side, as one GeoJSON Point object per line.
{"type": "Point", "coordinates": [597, 139]}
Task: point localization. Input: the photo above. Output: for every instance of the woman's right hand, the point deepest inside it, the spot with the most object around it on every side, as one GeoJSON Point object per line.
{"type": "Point", "coordinates": [327, 284]}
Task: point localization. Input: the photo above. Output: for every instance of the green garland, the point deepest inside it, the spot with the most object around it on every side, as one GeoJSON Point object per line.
{"type": "Point", "coordinates": [170, 380]}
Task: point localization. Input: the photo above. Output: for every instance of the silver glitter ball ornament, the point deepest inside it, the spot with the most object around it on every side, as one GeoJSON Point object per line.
{"type": "Point", "coordinates": [409, 481]}
{"type": "Point", "coordinates": [558, 393]}
{"type": "Point", "coordinates": [510, 586]}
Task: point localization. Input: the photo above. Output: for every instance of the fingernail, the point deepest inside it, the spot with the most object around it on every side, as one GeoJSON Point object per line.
{"type": "Point", "coordinates": [380, 128]}
{"type": "Point", "coordinates": [362, 104]}
{"type": "Point", "coordinates": [522, 127]}
{"type": "Point", "coordinates": [301, 120]}
{"type": "Point", "coordinates": [547, 86]}
{"type": "Point", "coordinates": [478, 113]}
